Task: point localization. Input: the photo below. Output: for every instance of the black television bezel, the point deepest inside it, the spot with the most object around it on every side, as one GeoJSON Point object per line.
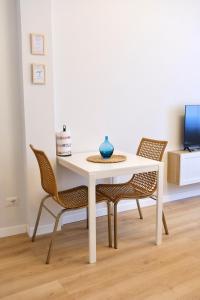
{"type": "Point", "coordinates": [189, 146]}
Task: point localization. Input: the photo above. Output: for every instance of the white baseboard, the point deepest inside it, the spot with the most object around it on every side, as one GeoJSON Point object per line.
{"type": "Point", "coordinates": [180, 196]}
{"type": "Point", "coordinates": [79, 215]}
{"type": "Point", "coordinates": [102, 211]}
{"type": "Point", "coordinates": [12, 230]}
{"type": "Point", "coordinates": [42, 229]}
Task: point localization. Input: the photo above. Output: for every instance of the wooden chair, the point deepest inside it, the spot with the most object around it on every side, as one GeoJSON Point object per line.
{"type": "Point", "coordinates": [140, 186]}
{"type": "Point", "coordinates": [74, 198]}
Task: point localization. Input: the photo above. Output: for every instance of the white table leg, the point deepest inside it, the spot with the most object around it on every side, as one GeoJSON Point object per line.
{"type": "Point", "coordinates": [112, 204]}
{"type": "Point", "coordinates": [92, 219]}
{"type": "Point", "coordinates": [159, 205]}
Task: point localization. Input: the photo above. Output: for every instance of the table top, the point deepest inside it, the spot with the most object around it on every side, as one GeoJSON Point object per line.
{"type": "Point", "coordinates": [133, 164]}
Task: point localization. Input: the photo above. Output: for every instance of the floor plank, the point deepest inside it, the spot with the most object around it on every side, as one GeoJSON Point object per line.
{"type": "Point", "coordinates": [137, 270]}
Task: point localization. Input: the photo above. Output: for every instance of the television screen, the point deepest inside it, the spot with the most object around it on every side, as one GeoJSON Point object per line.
{"type": "Point", "coordinates": [192, 126]}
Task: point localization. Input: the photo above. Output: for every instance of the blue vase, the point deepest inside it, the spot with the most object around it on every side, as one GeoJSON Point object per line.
{"type": "Point", "coordinates": [106, 148]}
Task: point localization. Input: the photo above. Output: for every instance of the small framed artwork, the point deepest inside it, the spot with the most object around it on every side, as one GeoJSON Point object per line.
{"type": "Point", "coordinates": [37, 44]}
{"type": "Point", "coordinates": [38, 73]}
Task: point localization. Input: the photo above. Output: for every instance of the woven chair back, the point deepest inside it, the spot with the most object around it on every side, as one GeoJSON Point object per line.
{"type": "Point", "coordinates": [152, 149]}
{"type": "Point", "coordinates": [48, 180]}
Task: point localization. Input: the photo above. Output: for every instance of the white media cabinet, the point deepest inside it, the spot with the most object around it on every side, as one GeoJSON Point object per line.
{"type": "Point", "coordinates": [183, 167]}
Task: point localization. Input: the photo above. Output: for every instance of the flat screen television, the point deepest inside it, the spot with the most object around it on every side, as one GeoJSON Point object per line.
{"type": "Point", "coordinates": [192, 127]}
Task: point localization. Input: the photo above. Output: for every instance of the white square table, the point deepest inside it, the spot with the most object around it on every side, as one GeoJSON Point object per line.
{"type": "Point", "coordinates": [92, 171]}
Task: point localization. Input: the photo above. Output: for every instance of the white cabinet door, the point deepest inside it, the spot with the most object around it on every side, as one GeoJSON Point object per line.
{"type": "Point", "coordinates": [190, 168]}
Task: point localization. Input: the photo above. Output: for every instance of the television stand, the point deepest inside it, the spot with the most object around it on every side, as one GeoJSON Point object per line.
{"type": "Point", "coordinates": [184, 166]}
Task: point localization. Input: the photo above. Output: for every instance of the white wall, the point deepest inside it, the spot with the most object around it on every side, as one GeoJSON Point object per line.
{"type": "Point", "coordinates": [121, 68]}
{"type": "Point", "coordinates": [11, 127]}
{"type": "Point", "coordinates": [126, 69]}
{"type": "Point", "coordinates": [35, 17]}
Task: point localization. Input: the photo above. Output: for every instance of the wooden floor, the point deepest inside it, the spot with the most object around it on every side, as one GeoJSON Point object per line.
{"type": "Point", "coordinates": [137, 270]}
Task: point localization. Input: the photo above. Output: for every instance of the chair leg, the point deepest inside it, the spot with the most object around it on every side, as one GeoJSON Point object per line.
{"type": "Point", "coordinates": [115, 226]}
{"type": "Point", "coordinates": [109, 225]}
{"type": "Point", "coordinates": [139, 209]}
{"type": "Point", "coordinates": [53, 236]}
{"type": "Point", "coordinates": [165, 223]}
{"type": "Point", "coordinates": [87, 221]}
{"type": "Point", "coordinates": [38, 218]}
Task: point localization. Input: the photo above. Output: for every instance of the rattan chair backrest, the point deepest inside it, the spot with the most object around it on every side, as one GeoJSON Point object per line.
{"type": "Point", "coordinates": [48, 180]}
{"type": "Point", "coordinates": [152, 149]}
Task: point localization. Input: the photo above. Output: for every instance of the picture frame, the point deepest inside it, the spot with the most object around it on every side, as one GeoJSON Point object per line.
{"type": "Point", "coordinates": [37, 41]}
{"type": "Point", "coordinates": [38, 74]}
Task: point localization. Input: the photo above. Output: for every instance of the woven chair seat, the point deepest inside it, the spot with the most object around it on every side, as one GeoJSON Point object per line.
{"type": "Point", "coordinates": [77, 197]}
{"type": "Point", "coordinates": [74, 198]}
{"type": "Point", "coordinates": [115, 192]}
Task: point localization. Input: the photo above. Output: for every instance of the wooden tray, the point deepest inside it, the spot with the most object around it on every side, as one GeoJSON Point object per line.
{"type": "Point", "coordinates": [113, 159]}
